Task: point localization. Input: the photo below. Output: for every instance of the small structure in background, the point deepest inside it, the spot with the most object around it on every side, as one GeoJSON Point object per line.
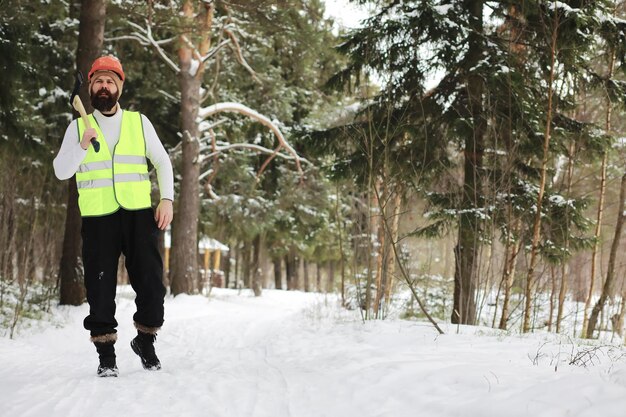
{"type": "Point", "coordinates": [209, 257]}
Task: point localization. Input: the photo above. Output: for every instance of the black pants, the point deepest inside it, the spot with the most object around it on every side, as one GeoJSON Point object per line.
{"type": "Point", "coordinates": [135, 234]}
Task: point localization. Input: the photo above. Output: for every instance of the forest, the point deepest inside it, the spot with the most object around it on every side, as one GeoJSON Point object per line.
{"type": "Point", "coordinates": [451, 161]}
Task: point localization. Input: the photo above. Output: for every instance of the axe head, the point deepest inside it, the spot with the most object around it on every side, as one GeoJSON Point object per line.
{"type": "Point", "coordinates": [77, 84]}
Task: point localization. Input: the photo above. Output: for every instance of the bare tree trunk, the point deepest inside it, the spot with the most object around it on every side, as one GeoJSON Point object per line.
{"type": "Point", "coordinates": [609, 283]}
{"type": "Point", "coordinates": [598, 229]}
{"type": "Point", "coordinates": [530, 278]}
{"type": "Point", "coordinates": [318, 277]}
{"type": "Point", "coordinates": [507, 277]}
{"type": "Point", "coordinates": [380, 237]}
{"type": "Point", "coordinates": [596, 243]}
{"type": "Point", "coordinates": [238, 265]}
{"type": "Point", "coordinates": [330, 284]}
{"type": "Point", "coordinates": [390, 260]}
{"type": "Point", "coordinates": [331, 271]}
{"type": "Point", "coordinates": [278, 277]}
{"type": "Point", "coordinates": [566, 243]}
{"type": "Point", "coordinates": [226, 268]}
{"type": "Point", "coordinates": [371, 227]}
{"type": "Point", "coordinates": [300, 269]}
{"type": "Point", "coordinates": [617, 321]}
{"type": "Point", "coordinates": [90, 39]}
{"type": "Point", "coordinates": [257, 276]}
{"type": "Point", "coordinates": [8, 224]}
{"type": "Point", "coordinates": [466, 250]}
{"type": "Point", "coordinates": [307, 281]}
{"type": "Point", "coordinates": [246, 264]}
{"type": "Point", "coordinates": [185, 225]}
{"type": "Point", "coordinates": [291, 269]}
{"type": "Point", "coordinates": [552, 296]}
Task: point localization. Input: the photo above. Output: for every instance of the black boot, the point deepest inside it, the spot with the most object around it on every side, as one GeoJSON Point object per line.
{"type": "Point", "coordinates": [106, 352]}
{"type": "Point", "coordinates": [143, 346]}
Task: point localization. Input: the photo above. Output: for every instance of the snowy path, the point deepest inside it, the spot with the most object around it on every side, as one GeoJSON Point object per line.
{"type": "Point", "coordinates": [298, 355]}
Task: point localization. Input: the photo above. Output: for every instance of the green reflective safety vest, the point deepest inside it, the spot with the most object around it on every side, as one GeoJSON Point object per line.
{"type": "Point", "coordinates": [109, 180]}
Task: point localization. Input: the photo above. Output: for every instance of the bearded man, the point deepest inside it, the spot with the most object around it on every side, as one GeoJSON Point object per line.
{"type": "Point", "coordinates": [117, 215]}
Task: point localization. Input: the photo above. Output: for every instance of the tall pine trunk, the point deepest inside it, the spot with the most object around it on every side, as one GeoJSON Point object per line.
{"type": "Point", "coordinates": [466, 250]}
{"type": "Point", "coordinates": [291, 269]}
{"type": "Point", "coordinates": [305, 272]}
{"type": "Point", "coordinates": [318, 277]}
{"type": "Point", "coordinates": [278, 278]}
{"type": "Point", "coordinates": [184, 268]}
{"type": "Point", "coordinates": [257, 275]}
{"type": "Point", "coordinates": [90, 39]}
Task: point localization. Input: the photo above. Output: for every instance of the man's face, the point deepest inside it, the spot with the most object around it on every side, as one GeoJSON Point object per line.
{"type": "Point", "coordinates": [103, 92]}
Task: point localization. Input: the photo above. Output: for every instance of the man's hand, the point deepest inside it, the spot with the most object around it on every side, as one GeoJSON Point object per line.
{"type": "Point", "coordinates": [164, 214]}
{"type": "Point", "coordinates": [88, 134]}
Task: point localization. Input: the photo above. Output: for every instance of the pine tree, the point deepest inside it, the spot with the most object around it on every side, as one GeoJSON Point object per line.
{"type": "Point", "coordinates": [488, 107]}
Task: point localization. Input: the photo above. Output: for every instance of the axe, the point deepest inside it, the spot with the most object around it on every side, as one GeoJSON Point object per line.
{"type": "Point", "coordinates": [77, 103]}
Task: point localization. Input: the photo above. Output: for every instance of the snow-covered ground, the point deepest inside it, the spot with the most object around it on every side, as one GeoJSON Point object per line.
{"type": "Point", "coordinates": [301, 355]}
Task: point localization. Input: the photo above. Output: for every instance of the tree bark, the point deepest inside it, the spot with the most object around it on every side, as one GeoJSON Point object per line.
{"type": "Point", "coordinates": [185, 226]}
{"type": "Point", "coordinates": [598, 230]}
{"type": "Point", "coordinates": [291, 269]}
{"type": "Point", "coordinates": [305, 271]}
{"type": "Point", "coordinates": [226, 268]}
{"type": "Point", "coordinates": [508, 274]}
{"type": "Point", "coordinates": [246, 265]}
{"type": "Point", "coordinates": [617, 321]}
{"type": "Point", "coordinates": [566, 243]}
{"type": "Point", "coordinates": [596, 243]}
{"type": "Point", "coordinates": [466, 251]}
{"type": "Point", "coordinates": [257, 276]}
{"type": "Point", "coordinates": [278, 277]}
{"type": "Point", "coordinates": [530, 277]}
{"type": "Point", "coordinates": [90, 39]}
{"type": "Point", "coordinates": [318, 277]}
{"type": "Point", "coordinates": [381, 251]}
{"type": "Point", "coordinates": [609, 283]}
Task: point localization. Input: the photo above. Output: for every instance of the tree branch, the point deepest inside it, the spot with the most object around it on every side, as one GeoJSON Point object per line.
{"type": "Point", "coordinates": [144, 36]}
{"type": "Point", "coordinates": [237, 49]}
{"type": "Point", "coordinates": [240, 108]}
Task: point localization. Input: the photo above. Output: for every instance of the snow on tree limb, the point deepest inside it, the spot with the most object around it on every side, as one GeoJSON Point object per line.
{"type": "Point", "coordinates": [144, 37]}
{"type": "Point", "coordinates": [239, 55]}
{"type": "Point", "coordinates": [215, 50]}
{"type": "Point", "coordinates": [227, 107]}
{"type": "Point", "coordinates": [258, 148]}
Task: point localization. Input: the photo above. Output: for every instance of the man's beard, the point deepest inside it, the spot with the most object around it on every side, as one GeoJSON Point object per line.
{"type": "Point", "coordinates": [103, 100]}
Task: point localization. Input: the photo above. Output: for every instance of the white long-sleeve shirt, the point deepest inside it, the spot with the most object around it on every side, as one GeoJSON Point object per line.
{"type": "Point", "coordinates": [71, 154]}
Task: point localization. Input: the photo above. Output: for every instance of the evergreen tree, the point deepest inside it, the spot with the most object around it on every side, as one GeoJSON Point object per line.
{"type": "Point", "coordinates": [36, 56]}
{"type": "Point", "coordinates": [489, 106]}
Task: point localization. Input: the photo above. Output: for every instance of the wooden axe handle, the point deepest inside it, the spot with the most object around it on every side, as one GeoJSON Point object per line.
{"type": "Point", "coordinates": [78, 105]}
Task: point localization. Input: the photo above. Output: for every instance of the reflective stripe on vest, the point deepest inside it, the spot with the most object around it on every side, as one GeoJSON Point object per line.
{"type": "Point", "coordinates": [109, 180]}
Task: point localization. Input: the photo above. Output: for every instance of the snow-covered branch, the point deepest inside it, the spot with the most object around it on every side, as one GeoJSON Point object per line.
{"type": "Point", "coordinates": [239, 55]}
{"type": "Point", "coordinates": [258, 148]}
{"type": "Point", "coordinates": [215, 50]}
{"type": "Point", "coordinates": [240, 108]}
{"type": "Point", "coordinates": [144, 37]}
